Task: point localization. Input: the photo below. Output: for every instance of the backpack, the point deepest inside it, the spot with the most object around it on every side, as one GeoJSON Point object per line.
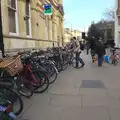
{"type": "Point", "coordinates": [100, 48]}
{"type": "Point", "coordinates": [82, 47]}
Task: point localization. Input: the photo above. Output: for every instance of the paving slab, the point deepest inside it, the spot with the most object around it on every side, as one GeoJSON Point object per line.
{"type": "Point", "coordinates": [43, 113]}
{"type": "Point", "coordinates": [108, 102]}
{"type": "Point", "coordinates": [93, 92]}
{"type": "Point", "coordinates": [85, 114]}
{"type": "Point", "coordinates": [92, 84]}
{"type": "Point", "coordinates": [66, 100]}
{"type": "Point", "coordinates": [113, 92]}
{"type": "Point", "coordinates": [114, 113]}
{"type": "Point", "coordinates": [64, 90]}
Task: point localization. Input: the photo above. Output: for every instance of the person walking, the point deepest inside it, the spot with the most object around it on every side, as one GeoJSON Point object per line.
{"type": "Point", "coordinates": [76, 49]}
{"type": "Point", "coordinates": [93, 48]}
{"type": "Point", "coordinates": [100, 51]}
{"type": "Point", "coordinates": [87, 48]}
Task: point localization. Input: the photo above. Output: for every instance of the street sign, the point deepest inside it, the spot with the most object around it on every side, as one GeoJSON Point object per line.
{"type": "Point", "coordinates": [48, 9]}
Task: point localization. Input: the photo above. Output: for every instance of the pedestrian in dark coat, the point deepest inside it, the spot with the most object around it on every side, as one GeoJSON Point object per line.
{"type": "Point", "coordinates": [100, 51]}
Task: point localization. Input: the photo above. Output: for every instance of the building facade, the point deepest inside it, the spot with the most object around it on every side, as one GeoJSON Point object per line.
{"type": "Point", "coordinates": [117, 23]}
{"type": "Point", "coordinates": [25, 26]}
{"type": "Point", "coordinates": [69, 33]}
{"type": "Point", "coordinates": [107, 29]}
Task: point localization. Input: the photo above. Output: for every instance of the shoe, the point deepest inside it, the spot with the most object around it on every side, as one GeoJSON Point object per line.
{"type": "Point", "coordinates": [83, 65]}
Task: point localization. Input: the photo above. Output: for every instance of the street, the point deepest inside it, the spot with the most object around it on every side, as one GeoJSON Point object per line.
{"type": "Point", "coordinates": [90, 93]}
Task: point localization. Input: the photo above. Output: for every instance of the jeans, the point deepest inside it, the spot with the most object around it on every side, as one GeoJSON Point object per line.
{"type": "Point", "coordinates": [78, 59]}
{"type": "Point", "coordinates": [100, 60]}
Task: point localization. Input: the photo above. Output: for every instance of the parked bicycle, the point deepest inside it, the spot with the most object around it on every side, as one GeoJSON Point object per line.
{"type": "Point", "coordinates": [114, 56]}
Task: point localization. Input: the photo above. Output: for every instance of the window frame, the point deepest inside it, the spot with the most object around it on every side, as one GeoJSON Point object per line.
{"type": "Point", "coordinates": [26, 16]}
{"type": "Point", "coordinates": [16, 19]}
{"type": "Point", "coordinates": [118, 1]}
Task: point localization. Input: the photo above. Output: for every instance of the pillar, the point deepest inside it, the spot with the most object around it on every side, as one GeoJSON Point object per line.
{"type": "Point", "coordinates": [50, 29]}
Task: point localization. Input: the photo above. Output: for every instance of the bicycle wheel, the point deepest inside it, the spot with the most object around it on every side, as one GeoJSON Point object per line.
{"type": "Point", "coordinates": [22, 88]}
{"type": "Point", "coordinates": [59, 66]}
{"type": "Point", "coordinates": [115, 62]}
{"type": "Point", "coordinates": [17, 84]}
{"type": "Point", "coordinates": [78, 65]}
{"type": "Point", "coordinates": [65, 63]}
{"type": "Point", "coordinates": [9, 95]}
{"type": "Point", "coordinates": [39, 81]}
{"type": "Point", "coordinates": [52, 72]}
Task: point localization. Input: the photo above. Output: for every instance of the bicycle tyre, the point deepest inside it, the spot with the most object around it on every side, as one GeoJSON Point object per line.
{"type": "Point", "coordinates": [52, 71]}
{"type": "Point", "coordinates": [65, 66]}
{"type": "Point", "coordinates": [17, 85]}
{"type": "Point", "coordinates": [9, 99]}
{"type": "Point", "coordinates": [40, 75]}
{"type": "Point", "coordinates": [54, 75]}
{"type": "Point", "coordinates": [59, 66]}
{"type": "Point", "coordinates": [65, 62]}
{"type": "Point", "coordinates": [23, 89]}
{"type": "Point", "coordinates": [74, 63]}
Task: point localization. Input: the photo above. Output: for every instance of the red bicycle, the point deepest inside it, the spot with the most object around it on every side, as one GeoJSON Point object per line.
{"type": "Point", "coordinates": [36, 80]}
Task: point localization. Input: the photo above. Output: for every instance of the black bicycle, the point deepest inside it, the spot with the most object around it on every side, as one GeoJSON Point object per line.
{"type": "Point", "coordinates": [77, 61]}
{"type": "Point", "coordinates": [9, 96]}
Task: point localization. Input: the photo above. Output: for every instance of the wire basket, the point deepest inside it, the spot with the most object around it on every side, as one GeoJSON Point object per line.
{"type": "Point", "coordinates": [12, 65]}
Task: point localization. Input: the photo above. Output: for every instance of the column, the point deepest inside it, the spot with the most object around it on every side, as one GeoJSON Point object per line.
{"type": "Point", "coordinates": [50, 29]}
{"type": "Point", "coordinates": [21, 18]}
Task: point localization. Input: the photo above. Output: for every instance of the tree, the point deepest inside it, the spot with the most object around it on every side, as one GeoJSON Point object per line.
{"type": "Point", "coordinates": [110, 14]}
{"type": "Point", "coordinates": [103, 29]}
{"type": "Point", "coordinates": [94, 32]}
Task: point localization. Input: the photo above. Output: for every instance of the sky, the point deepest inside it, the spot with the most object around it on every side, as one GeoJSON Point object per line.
{"type": "Point", "coordinates": [80, 13]}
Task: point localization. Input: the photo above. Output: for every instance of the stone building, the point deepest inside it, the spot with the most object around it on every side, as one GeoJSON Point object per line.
{"type": "Point", "coordinates": [25, 26]}
{"type": "Point", "coordinates": [117, 23]}
{"type": "Point", "coordinates": [69, 33]}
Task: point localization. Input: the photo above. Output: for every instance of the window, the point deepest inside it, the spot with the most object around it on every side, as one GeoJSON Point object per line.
{"type": "Point", "coordinates": [12, 14]}
{"type": "Point", "coordinates": [118, 4]}
{"type": "Point", "coordinates": [118, 20]}
{"type": "Point", "coordinates": [28, 21]}
{"type": "Point", "coordinates": [109, 34]}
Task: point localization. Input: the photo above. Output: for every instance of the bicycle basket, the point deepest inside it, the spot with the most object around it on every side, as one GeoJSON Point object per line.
{"type": "Point", "coordinates": [12, 65]}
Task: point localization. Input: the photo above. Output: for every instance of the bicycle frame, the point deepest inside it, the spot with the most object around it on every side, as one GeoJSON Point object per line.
{"type": "Point", "coordinates": [28, 71]}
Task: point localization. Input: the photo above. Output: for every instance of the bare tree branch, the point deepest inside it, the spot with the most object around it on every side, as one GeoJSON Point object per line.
{"type": "Point", "coordinates": [110, 14]}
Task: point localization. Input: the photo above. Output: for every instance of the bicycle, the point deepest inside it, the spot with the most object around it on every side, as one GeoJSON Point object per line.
{"type": "Point", "coordinates": [37, 79]}
{"type": "Point", "coordinates": [44, 64]}
{"type": "Point", "coordinates": [10, 97]}
{"type": "Point", "coordinates": [114, 57]}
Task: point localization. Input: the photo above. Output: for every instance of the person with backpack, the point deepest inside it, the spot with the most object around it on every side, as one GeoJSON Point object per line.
{"type": "Point", "coordinates": [76, 49]}
{"type": "Point", "coordinates": [82, 47]}
{"type": "Point", "coordinates": [100, 51]}
{"type": "Point", "coordinates": [92, 47]}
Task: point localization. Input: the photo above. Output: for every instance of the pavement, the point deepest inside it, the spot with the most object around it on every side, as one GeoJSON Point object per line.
{"type": "Point", "coordinates": [90, 93]}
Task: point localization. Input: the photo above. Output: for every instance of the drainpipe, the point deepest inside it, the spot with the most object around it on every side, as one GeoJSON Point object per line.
{"type": "Point", "coordinates": [1, 34]}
